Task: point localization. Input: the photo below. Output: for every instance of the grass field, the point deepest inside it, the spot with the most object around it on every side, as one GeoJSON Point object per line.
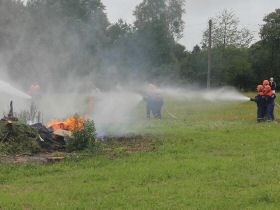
{"type": "Point", "coordinates": [210, 157]}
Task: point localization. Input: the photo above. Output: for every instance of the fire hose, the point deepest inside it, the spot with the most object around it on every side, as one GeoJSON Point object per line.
{"type": "Point", "coordinates": [277, 104]}
{"type": "Point", "coordinates": [170, 114]}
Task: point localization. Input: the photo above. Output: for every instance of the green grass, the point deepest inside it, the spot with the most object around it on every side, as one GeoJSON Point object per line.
{"type": "Point", "coordinates": [210, 157]}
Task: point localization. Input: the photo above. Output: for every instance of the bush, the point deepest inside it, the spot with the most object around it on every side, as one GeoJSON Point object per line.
{"type": "Point", "coordinates": [18, 138]}
{"type": "Point", "coordinates": [83, 139]}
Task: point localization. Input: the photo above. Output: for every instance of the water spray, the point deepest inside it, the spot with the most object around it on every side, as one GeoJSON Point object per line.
{"type": "Point", "coordinates": [8, 89]}
{"type": "Point", "coordinates": [225, 94]}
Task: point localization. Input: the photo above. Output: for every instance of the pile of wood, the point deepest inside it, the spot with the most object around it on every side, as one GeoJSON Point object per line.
{"type": "Point", "coordinates": [49, 141]}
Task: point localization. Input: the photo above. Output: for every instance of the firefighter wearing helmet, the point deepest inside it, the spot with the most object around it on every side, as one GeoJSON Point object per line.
{"type": "Point", "coordinates": [261, 103]}
{"type": "Point", "coordinates": [265, 100]}
{"type": "Point", "coordinates": [270, 103]}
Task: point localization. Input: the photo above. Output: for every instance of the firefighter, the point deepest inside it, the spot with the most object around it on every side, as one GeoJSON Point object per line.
{"type": "Point", "coordinates": [35, 92]}
{"type": "Point", "coordinates": [270, 103]}
{"type": "Point", "coordinates": [157, 105]}
{"type": "Point", "coordinates": [154, 101]}
{"type": "Point", "coordinates": [261, 103]}
{"type": "Point", "coordinates": [272, 84]}
{"type": "Point", "coordinates": [149, 102]}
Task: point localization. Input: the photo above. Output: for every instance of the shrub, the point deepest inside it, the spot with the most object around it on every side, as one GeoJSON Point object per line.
{"type": "Point", "coordinates": [83, 138]}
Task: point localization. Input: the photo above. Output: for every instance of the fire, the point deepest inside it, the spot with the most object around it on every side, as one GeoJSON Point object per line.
{"type": "Point", "coordinates": [71, 124]}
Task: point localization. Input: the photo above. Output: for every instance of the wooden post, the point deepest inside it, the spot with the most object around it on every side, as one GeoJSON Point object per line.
{"type": "Point", "coordinates": [11, 112]}
{"type": "Point", "coordinates": [209, 55]}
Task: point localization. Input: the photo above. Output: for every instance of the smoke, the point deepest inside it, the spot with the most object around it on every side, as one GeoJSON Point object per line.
{"type": "Point", "coordinates": [114, 110]}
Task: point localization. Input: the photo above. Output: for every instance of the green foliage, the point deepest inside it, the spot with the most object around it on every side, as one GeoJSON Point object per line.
{"type": "Point", "coordinates": [167, 13]}
{"type": "Point", "coordinates": [18, 138]}
{"type": "Point", "coordinates": [237, 68]}
{"type": "Point", "coordinates": [154, 49]}
{"type": "Point", "coordinates": [270, 31]}
{"type": "Point", "coordinates": [83, 138]}
{"type": "Point", "coordinates": [268, 49]}
{"type": "Point", "coordinates": [260, 58]}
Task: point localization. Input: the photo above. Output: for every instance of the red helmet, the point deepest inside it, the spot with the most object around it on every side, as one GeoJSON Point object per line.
{"type": "Point", "coordinates": [267, 88]}
{"type": "Point", "coordinates": [259, 88]}
{"type": "Point", "coordinates": [265, 82]}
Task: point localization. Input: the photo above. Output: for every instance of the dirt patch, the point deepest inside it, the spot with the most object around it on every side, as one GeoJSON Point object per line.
{"type": "Point", "coordinates": [41, 158]}
{"type": "Point", "coordinates": [114, 147]}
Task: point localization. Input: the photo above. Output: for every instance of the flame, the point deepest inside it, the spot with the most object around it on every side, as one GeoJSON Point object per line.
{"type": "Point", "coordinates": [71, 124]}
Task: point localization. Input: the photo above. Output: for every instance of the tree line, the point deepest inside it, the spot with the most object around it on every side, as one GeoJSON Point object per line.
{"type": "Point", "coordinates": [51, 41]}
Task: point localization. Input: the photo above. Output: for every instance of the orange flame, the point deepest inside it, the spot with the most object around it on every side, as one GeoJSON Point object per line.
{"type": "Point", "coordinates": [71, 124]}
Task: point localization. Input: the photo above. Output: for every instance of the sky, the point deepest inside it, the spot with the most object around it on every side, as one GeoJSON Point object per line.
{"type": "Point", "coordinates": [198, 12]}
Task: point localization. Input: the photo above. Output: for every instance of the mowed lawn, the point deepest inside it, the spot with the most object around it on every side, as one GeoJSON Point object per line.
{"type": "Point", "coordinates": [206, 156]}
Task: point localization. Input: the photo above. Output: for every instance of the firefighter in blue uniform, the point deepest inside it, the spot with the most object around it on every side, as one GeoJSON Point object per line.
{"type": "Point", "coordinates": [270, 103]}
{"type": "Point", "coordinates": [261, 103]}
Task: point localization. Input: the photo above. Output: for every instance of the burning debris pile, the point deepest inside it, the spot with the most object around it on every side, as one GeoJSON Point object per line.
{"type": "Point", "coordinates": [68, 126]}
{"type": "Point", "coordinates": [71, 134]}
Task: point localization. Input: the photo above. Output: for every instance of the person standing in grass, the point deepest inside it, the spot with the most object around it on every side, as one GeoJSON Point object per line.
{"type": "Point", "coordinates": [270, 103]}
{"type": "Point", "coordinates": [272, 84]}
{"type": "Point", "coordinates": [261, 103]}
{"type": "Point", "coordinates": [154, 101]}
{"type": "Point", "coordinates": [265, 84]}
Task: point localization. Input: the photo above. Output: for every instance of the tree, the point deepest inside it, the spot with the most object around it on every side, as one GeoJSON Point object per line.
{"type": "Point", "coordinates": [265, 54]}
{"type": "Point", "coordinates": [260, 58]}
{"type": "Point", "coordinates": [237, 69]}
{"type": "Point", "coordinates": [226, 31]}
{"type": "Point", "coordinates": [158, 24]}
{"type": "Point", "coordinates": [58, 38]}
{"type": "Point", "coordinates": [270, 31]}
{"type": "Point", "coordinates": [118, 31]}
{"type": "Point", "coordinates": [175, 12]}
{"type": "Point", "coordinates": [167, 12]}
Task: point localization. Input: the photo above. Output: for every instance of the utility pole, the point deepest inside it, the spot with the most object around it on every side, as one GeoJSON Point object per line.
{"type": "Point", "coordinates": [209, 55]}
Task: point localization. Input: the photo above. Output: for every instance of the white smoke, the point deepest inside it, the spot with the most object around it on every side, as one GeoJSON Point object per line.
{"type": "Point", "coordinates": [114, 110]}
